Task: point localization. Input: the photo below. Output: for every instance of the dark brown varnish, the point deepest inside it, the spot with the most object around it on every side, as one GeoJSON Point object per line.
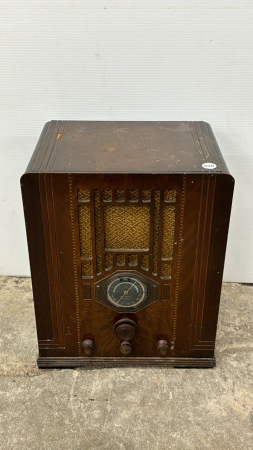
{"type": "Point", "coordinates": [126, 155]}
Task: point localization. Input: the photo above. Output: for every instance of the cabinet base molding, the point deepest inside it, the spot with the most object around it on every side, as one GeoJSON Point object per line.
{"type": "Point", "coordinates": [89, 363]}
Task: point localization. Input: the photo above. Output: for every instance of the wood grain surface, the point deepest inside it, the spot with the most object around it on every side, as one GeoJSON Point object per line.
{"type": "Point", "coordinates": [186, 311]}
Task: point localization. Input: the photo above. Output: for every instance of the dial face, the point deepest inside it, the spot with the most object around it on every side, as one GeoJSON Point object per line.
{"type": "Point", "coordinates": [127, 293]}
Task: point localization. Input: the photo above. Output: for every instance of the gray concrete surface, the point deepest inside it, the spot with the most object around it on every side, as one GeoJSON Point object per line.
{"type": "Point", "coordinates": [147, 408]}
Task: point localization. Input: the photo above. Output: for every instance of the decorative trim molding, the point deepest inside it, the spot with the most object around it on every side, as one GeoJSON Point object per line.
{"type": "Point", "coordinates": [124, 362]}
{"type": "Point", "coordinates": [75, 265]}
{"type": "Point", "coordinates": [178, 266]}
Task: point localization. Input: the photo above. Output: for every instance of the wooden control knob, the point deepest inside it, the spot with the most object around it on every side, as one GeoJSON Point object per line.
{"type": "Point", "coordinates": [88, 346]}
{"type": "Point", "coordinates": [125, 347]}
{"type": "Point", "coordinates": [162, 347]}
{"type": "Point", "coordinates": [125, 329]}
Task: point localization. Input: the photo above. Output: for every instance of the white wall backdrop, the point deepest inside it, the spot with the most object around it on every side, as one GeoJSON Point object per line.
{"type": "Point", "coordinates": [126, 60]}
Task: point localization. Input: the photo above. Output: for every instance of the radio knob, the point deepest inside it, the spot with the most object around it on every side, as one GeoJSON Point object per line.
{"type": "Point", "coordinates": [162, 347]}
{"type": "Point", "coordinates": [125, 347]}
{"type": "Point", "coordinates": [88, 346]}
{"type": "Point", "coordinates": [125, 329]}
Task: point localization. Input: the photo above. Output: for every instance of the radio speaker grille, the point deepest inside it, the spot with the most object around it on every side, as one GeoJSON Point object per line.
{"type": "Point", "coordinates": [97, 231]}
{"type": "Point", "coordinates": [132, 260]}
{"type": "Point", "coordinates": [145, 262]}
{"type": "Point", "coordinates": [120, 260]}
{"type": "Point", "coordinates": [168, 231]}
{"type": "Point", "coordinates": [85, 232]}
{"type": "Point", "coordinates": [83, 195]}
{"type": "Point", "coordinates": [127, 227]}
{"type": "Point", "coordinates": [170, 195]}
{"type": "Point", "coordinates": [156, 231]}
{"type": "Point", "coordinates": [108, 261]}
{"type": "Point", "coordinates": [165, 270]}
{"type": "Point", "coordinates": [87, 270]}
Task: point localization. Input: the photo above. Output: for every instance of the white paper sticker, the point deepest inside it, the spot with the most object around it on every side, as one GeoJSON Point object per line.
{"type": "Point", "coordinates": [209, 166]}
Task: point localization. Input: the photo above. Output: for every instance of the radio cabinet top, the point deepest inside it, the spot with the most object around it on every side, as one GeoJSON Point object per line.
{"type": "Point", "coordinates": [127, 147]}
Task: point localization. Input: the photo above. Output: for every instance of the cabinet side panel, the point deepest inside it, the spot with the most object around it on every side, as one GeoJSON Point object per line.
{"type": "Point", "coordinates": [37, 254]}
{"type": "Point", "coordinates": [219, 231]}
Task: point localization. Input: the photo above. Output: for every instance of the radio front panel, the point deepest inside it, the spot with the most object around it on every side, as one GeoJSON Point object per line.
{"type": "Point", "coordinates": [138, 239]}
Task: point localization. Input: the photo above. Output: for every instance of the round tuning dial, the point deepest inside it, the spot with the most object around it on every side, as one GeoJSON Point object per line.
{"type": "Point", "coordinates": [88, 346]}
{"type": "Point", "coordinates": [127, 293]}
{"type": "Point", "coordinates": [162, 347]}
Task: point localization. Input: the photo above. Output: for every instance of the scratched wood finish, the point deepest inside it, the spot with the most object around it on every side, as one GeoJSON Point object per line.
{"type": "Point", "coordinates": [188, 319]}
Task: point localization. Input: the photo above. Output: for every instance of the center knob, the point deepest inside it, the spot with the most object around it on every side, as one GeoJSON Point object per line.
{"type": "Point", "coordinates": [125, 329]}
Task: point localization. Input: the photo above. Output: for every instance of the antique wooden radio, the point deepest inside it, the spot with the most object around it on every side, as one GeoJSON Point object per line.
{"type": "Point", "coordinates": [127, 225]}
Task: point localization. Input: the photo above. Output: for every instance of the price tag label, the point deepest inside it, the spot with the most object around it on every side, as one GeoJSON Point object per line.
{"type": "Point", "coordinates": [209, 166]}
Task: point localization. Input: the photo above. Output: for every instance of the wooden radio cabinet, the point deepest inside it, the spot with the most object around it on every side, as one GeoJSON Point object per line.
{"type": "Point", "coordinates": [127, 226]}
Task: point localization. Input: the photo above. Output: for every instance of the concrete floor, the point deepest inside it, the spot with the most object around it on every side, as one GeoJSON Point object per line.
{"type": "Point", "coordinates": [148, 408]}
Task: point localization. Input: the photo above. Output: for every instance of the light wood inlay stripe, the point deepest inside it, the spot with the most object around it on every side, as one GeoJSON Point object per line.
{"type": "Point", "coordinates": [75, 265]}
{"type": "Point", "coordinates": [178, 265]}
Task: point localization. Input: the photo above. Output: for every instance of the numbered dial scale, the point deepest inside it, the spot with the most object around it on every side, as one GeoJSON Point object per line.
{"type": "Point", "coordinates": [126, 291]}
